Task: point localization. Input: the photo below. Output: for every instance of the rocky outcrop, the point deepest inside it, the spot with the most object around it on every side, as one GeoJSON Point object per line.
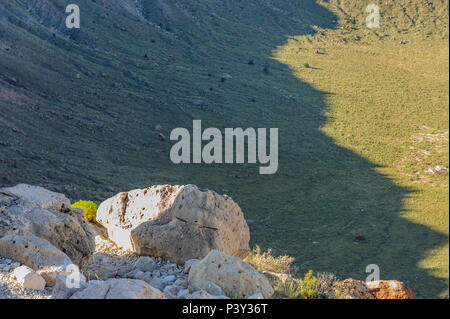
{"type": "Point", "coordinates": [236, 278]}
{"type": "Point", "coordinates": [177, 223]}
{"type": "Point", "coordinates": [390, 289]}
{"type": "Point", "coordinates": [118, 289]}
{"type": "Point", "coordinates": [26, 210]}
{"type": "Point", "coordinates": [38, 254]}
{"type": "Point", "coordinates": [352, 288]}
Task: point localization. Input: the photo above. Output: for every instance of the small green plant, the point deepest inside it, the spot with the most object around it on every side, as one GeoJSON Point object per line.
{"type": "Point", "coordinates": [286, 289]}
{"type": "Point", "coordinates": [310, 286]}
{"type": "Point", "coordinates": [89, 208]}
{"type": "Point", "coordinates": [306, 65]}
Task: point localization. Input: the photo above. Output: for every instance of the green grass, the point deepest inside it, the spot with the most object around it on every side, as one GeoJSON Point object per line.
{"type": "Point", "coordinates": [388, 102]}
{"type": "Point", "coordinates": [345, 166]}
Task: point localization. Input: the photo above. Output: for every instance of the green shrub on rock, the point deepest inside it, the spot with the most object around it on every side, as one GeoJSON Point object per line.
{"type": "Point", "coordinates": [89, 208]}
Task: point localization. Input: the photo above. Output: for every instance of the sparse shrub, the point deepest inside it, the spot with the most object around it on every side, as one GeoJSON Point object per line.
{"type": "Point", "coordinates": [89, 208]}
{"type": "Point", "coordinates": [310, 286]}
{"type": "Point", "coordinates": [266, 261]}
{"type": "Point", "coordinates": [306, 65]}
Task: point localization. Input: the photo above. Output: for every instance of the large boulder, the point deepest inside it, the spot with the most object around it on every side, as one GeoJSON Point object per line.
{"type": "Point", "coordinates": [38, 254]}
{"type": "Point", "coordinates": [118, 289]}
{"type": "Point", "coordinates": [177, 223]}
{"type": "Point", "coordinates": [236, 278]}
{"type": "Point", "coordinates": [390, 289]}
{"type": "Point", "coordinates": [26, 209]}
